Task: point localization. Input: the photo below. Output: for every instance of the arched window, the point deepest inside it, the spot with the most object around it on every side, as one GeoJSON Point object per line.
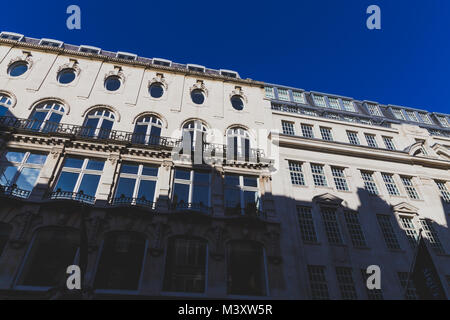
{"type": "Point", "coordinates": [147, 130]}
{"type": "Point", "coordinates": [238, 144]}
{"type": "Point", "coordinates": [5, 231]}
{"type": "Point", "coordinates": [51, 251]}
{"type": "Point", "coordinates": [121, 262]}
{"type": "Point", "coordinates": [98, 123]}
{"type": "Point", "coordinates": [46, 116]}
{"type": "Point", "coordinates": [246, 271]}
{"type": "Point", "coordinates": [194, 135]}
{"type": "Point", "coordinates": [5, 103]}
{"type": "Point", "coordinates": [185, 265]}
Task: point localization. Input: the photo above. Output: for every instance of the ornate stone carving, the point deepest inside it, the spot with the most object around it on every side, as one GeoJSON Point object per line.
{"type": "Point", "coordinates": [239, 92]}
{"type": "Point", "coordinates": [218, 234]}
{"type": "Point", "coordinates": [159, 78]}
{"type": "Point", "coordinates": [158, 231]}
{"type": "Point", "coordinates": [200, 86]}
{"type": "Point", "coordinates": [25, 222]}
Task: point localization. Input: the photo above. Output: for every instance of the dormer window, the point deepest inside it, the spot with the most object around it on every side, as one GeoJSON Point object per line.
{"type": "Point", "coordinates": [283, 94]}
{"type": "Point", "coordinates": [51, 43]}
{"type": "Point", "coordinates": [412, 116]}
{"type": "Point", "coordinates": [348, 105]}
{"type": "Point", "coordinates": [89, 49]}
{"type": "Point", "coordinates": [162, 62]}
{"type": "Point", "coordinates": [443, 121]}
{"type": "Point", "coordinates": [196, 68]}
{"type": "Point", "coordinates": [126, 56]}
{"type": "Point", "coordinates": [229, 73]}
{"type": "Point", "coordinates": [374, 110]}
{"type": "Point", "coordinates": [425, 118]}
{"type": "Point", "coordinates": [299, 97]}
{"type": "Point", "coordinates": [398, 114]}
{"type": "Point", "coordinates": [11, 36]}
{"type": "Point", "coordinates": [334, 103]}
{"type": "Point", "coordinates": [319, 101]}
{"type": "Point", "coordinates": [269, 92]}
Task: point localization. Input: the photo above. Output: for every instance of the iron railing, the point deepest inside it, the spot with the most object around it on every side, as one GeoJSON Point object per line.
{"type": "Point", "coordinates": [13, 191]}
{"type": "Point", "coordinates": [191, 206]}
{"type": "Point", "coordinates": [67, 195]}
{"type": "Point", "coordinates": [128, 201]}
{"type": "Point", "coordinates": [251, 210]}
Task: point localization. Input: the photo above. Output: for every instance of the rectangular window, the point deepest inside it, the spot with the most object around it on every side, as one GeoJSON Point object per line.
{"type": "Point", "coordinates": [412, 116]}
{"type": "Point", "coordinates": [410, 231]}
{"type": "Point", "coordinates": [353, 137]}
{"type": "Point", "coordinates": [387, 229]}
{"type": "Point", "coordinates": [374, 110]}
{"type": "Point", "coordinates": [372, 294]}
{"type": "Point", "coordinates": [411, 293]}
{"type": "Point", "coordinates": [283, 94]}
{"type": "Point", "coordinates": [295, 169]}
{"type": "Point", "coordinates": [398, 114]}
{"type": "Point", "coordinates": [444, 191]}
{"type": "Point", "coordinates": [307, 131]}
{"type": "Point", "coordinates": [425, 118]}
{"type": "Point", "coordinates": [319, 101]}
{"type": "Point", "coordinates": [269, 92]}
{"type": "Point", "coordinates": [354, 229]}
{"type": "Point", "coordinates": [346, 283]}
{"type": "Point", "coordinates": [288, 127]}
{"type": "Point", "coordinates": [390, 184]}
{"type": "Point", "coordinates": [409, 187]}
{"type": "Point", "coordinates": [331, 226]}
{"type": "Point", "coordinates": [432, 236]}
{"type": "Point", "coordinates": [191, 190]}
{"type": "Point", "coordinates": [334, 103]}
{"type": "Point", "coordinates": [326, 134]}
{"type": "Point", "coordinates": [318, 175]}
{"type": "Point", "coordinates": [79, 179]}
{"type": "Point", "coordinates": [339, 178]}
{"type": "Point", "coordinates": [306, 222]}
{"type": "Point", "coordinates": [318, 283]}
{"type": "Point", "coordinates": [348, 105]}
{"type": "Point", "coordinates": [443, 121]}
{"type": "Point", "coordinates": [241, 195]}
{"type": "Point", "coordinates": [136, 185]}
{"type": "Point", "coordinates": [389, 143]}
{"type": "Point", "coordinates": [371, 141]}
{"type": "Point", "coordinates": [19, 171]}
{"type": "Point", "coordinates": [369, 182]}
{"type": "Point", "coordinates": [299, 97]}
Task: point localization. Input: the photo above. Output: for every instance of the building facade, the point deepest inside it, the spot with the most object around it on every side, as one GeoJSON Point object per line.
{"type": "Point", "coordinates": [188, 182]}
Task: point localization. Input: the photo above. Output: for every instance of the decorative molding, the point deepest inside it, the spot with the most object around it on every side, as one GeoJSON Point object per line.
{"type": "Point", "coordinates": [103, 106]}
{"type": "Point", "coordinates": [59, 100]}
{"type": "Point", "coordinates": [239, 92]}
{"type": "Point", "coordinates": [200, 85]}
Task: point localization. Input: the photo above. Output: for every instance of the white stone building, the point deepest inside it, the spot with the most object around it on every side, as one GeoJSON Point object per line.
{"type": "Point", "coordinates": [197, 183]}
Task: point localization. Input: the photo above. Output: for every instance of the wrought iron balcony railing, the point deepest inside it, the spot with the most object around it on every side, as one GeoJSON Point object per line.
{"type": "Point", "coordinates": [188, 206]}
{"type": "Point", "coordinates": [67, 195]}
{"type": "Point", "coordinates": [13, 191]}
{"type": "Point", "coordinates": [251, 210]}
{"type": "Point", "coordinates": [128, 201]}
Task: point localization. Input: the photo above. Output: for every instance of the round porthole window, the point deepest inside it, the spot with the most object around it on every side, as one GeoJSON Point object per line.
{"type": "Point", "coordinates": [197, 96]}
{"type": "Point", "coordinates": [112, 83]}
{"type": "Point", "coordinates": [18, 68]}
{"type": "Point", "coordinates": [66, 76]}
{"type": "Point", "coordinates": [237, 102]}
{"type": "Point", "coordinates": [156, 90]}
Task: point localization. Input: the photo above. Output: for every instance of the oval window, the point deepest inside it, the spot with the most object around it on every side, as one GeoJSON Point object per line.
{"type": "Point", "coordinates": [112, 83]}
{"type": "Point", "coordinates": [197, 96]}
{"type": "Point", "coordinates": [66, 76]}
{"type": "Point", "coordinates": [18, 68]}
{"type": "Point", "coordinates": [156, 90]}
{"type": "Point", "coordinates": [237, 102]}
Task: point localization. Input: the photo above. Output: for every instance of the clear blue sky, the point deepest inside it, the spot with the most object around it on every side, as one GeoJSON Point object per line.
{"type": "Point", "coordinates": [320, 45]}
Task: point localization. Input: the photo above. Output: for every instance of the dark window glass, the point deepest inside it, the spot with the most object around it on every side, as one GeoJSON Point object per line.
{"type": "Point", "coordinates": [156, 90]}
{"type": "Point", "coordinates": [250, 182]}
{"type": "Point", "coordinates": [112, 83]}
{"type": "Point", "coordinates": [121, 262]}
{"type": "Point", "coordinates": [67, 181]}
{"type": "Point", "coordinates": [3, 111]}
{"type": "Point", "coordinates": [150, 171]}
{"type": "Point", "coordinates": [125, 188]}
{"type": "Point", "coordinates": [18, 68]}
{"type": "Point", "coordinates": [237, 103]}
{"type": "Point", "coordinates": [185, 265]}
{"type": "Point", "coordinates": [232, 180]}
{"type": "Point", "coordinates": [182, 174]}
{"type": "Point", "coordinates": [146, 190]}
{"type": "Point", "coordinates": [66, 76]}
{"type": "Point", "coordinates": [181, 193]}
{"type": "Point", "coordinates": [52, 251]}
{"type": "Point", "coordinates": [246, 270]}
{"type": "Point", "coordinates": [129, 168]}
{"type": "Point", "coordinates": [73, 163]}
{"type": "Point", "coordinates": [89, 184]}
{"type": "Point", "coordinates": [197, 96]}
{"type": "Point", "coordinates": [95, 165]}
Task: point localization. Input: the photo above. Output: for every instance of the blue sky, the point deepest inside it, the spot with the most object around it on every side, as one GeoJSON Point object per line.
{"type": "Point", "coordinates": [319, 45]}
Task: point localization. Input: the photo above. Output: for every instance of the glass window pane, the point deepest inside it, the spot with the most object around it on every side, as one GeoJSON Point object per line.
{"type": "Point", "coordinates": [200, 195]}
{"type": "Point", "coordinates": [7, 175]}
{"type": "Point", "coordinates": [27, 178]}
{"type": "Point", "coordinates": [125, 188]}
{"type": "Point", "coordinates": [146, 190]}
{"type": "Point", "coordinates": [14, 156]}
{"type": "Point", "coordinates": [73, 163]}
{"type": "Point", "coordinates": [250, 182]}
{"type": "Point", "coordinates": [67, 181]}
{"type": "Point", "coordinates": [89, 184]}
{"type": "Point", "coordinates": [250, 198]}
{"type": "Point", "coordinates": [129, 168]}
{"type": "Point", "coordinates": [182, 174]}
{"type": "Point", "coordinates": [231, 180]}
{"type": "Point", "coordinates": [95, 165]}
{"type": "Point", "coordinates": [201, 177]}
{"type": "Point", "coordinates": [150, 171]}
{"type": "Point", "coordinates": [232, 198]}
{"type": "Point", "coordinates": [37, 158]}
{"type": "Point", "coordinates": [181, 193]}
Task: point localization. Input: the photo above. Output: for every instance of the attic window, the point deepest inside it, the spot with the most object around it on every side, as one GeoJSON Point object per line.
{"type": "Point", "coordinates": [51, 43]}
{"type": "Point", "coordinates": [196, 68]}
{"type": "Point", "coordinates": [126, 56]}
{"type": "Point", "coordinates": [228, 73]}
{"type": "Point", "coordinates": [162, 62]}
{"type": "Point", "coordinates": [11, 36]}
{"type": "Point", "coordinates": [89, 49]}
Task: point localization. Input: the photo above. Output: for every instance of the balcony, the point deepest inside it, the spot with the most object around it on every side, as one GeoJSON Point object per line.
{"type": "Point", "coordinates": [75, 196]}
{"type": "Point", "coordinates": [128, 201]}
{"type": "Point", "coordinates": [188, 206]}
{"type": "Point", "coordinates": [14, 192]}
{"type": "Point", "coordinates": [250, 211]}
